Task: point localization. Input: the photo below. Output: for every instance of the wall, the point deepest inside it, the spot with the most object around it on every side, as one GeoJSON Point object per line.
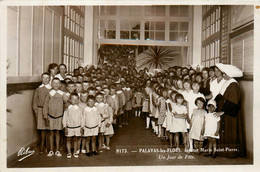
{"type": "Point", "coordinates": [196, 41]}
{"type": "Point", "coordinates": [247, 113]}
{"type": "Point", "coordinates": [21, 123]}
{"type": "Point", "coordinates": [88, 36]}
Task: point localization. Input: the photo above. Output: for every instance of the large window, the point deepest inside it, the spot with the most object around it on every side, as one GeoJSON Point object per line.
{"type": "Point", "coordinates": [73, 36]}
{"type": "Point", "coordinates": [107, 29]}
{"type": "Point", "coordinates": [34, 40]}
{"type": "Point", "coordinates": [144, 25]}
{"type": "Point", "coordinates": [155, 30]}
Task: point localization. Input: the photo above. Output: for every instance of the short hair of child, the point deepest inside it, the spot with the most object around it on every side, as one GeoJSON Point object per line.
{"type": "Point", "coordinates": [187, 81]}
{"type": "Point", "coordinates": [99, 94]}
{"type": "Point", "coordinates": [196, 82]}
{"type": "Point", "coordinates": [74, 94]}
{"type": "Point", "coordinates": [201, 100]}
{"type": "Point", "coordinates": [45, 73]}
{"type": "Point", "coordinates": [57, 79]}
{"type": "Point", "coordinates": [83, 92]}
{"type": "Point", "coordinates": [52, 66]}
{"type": "Point", "coordinates": [179, 96]}
{"type": "Point", "coordinates": [70, 83]}
{"type": "Point", "coordinates": [91, 97]}
{"type": "Point", "coordinates": [173, 92]}
{"type": "Point", "coordinates": [78, 83]}
{"type": "Point", "coordinates": [91, 89]}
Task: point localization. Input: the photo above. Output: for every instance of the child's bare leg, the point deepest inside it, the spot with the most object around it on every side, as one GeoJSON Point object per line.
{"type": "Point", "coordinates": [100, 140]}
{"type": "Point", "coordinates": [185, 139]}
{"type": "Point", "coordinates": [57, 135]}
{"type": "Point", "coordinates": [214, 145]}
{"type": "Point", "coordinates": [93, 143]}
{"type": "Point", "coordinates": [190, 144]}
{"type": "Point", "coordinates": [87, 144]}
{"type": "Point", "coordinates": [79, 143]}
{"type": "Point", "coordinates": [51, 140]}
{"type": "Point", "coordinates": [147, 122]}
{"type": "Point", "coordinates": [42, 140]}
{"type": "Point", "coordinates": [200, 146]}
{"type": "Point", "coordinates": [210, 145]}
{"type": "Point", "coordinates": [69, 144]}
{"type": "Point", "coordinates": [83, 143]}
{"type": "Point", "coordinates": [75, 142]}
{"type": "Point", "coordinates": [170, 139]}
{"type": "Point", "coordinates": [108, 140]}
{"type": "Point", "coordinates": [176, 140]}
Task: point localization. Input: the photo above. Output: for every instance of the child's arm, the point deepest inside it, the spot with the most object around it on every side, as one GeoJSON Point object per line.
{"type": "Point", "coordinates": [110, 117]}
{"type": "Point", "coordinates": [203, 127]}
{"type": "Point", "coordinates": [218, 126]}
{"type": "Point", "coordinates": [64, 122]}
{"type": "Point", "coordinates": [46, 109]}
{"type": "Point", "coordinates": [182, 115]}
{"type": "Point", "coordinates": [35, 102]}
{"type": "Point", "coordinates": [170, 107]}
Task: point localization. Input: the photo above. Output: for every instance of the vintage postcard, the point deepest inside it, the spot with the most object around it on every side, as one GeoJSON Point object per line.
{"type": "Point", "coordinates": [117, 85]}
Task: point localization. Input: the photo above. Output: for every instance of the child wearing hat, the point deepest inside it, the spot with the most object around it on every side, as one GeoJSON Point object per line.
{"type": "Point", "coordinates": [211, 128]}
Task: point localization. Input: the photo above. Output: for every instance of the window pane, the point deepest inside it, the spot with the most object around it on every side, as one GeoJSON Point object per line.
{"type": "Point", "coordinates": [111, 34]}
{"type": "Point", "coordinates": [124, 34]}
{"type": "Point", "coordinates": [124, 25]}
{"type": "Point", "coordinates": [160, 11]}
{"type": "Point", "coordinates": [160, 36]}
{"type": "Point", "coordinates": [125, 11]}
{"type": "Point", "coordinates": [160, 26]}
{"type": "Point", "coordinates": [173, 36]}
{"type": "Point", "coordinates": [183, 36]}
{"type": "Point", "coordinates": [184, 26]}
{"type": "Point", "coordinates": [135, 11]}
{"type": "Point", "coordinates": [174, 26]}
{"type": "Point", "coordinates": [135, 35]}
{"type": "Point", "coordinates": [107, 10]}
{"type": "Point", "coordinates": [175, 11]}
{"type": "Point", "coordinates": [184, 11]}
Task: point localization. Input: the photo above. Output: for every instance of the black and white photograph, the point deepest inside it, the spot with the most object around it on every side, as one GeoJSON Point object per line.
{"type": "Point", "coordinates": [128, 85]}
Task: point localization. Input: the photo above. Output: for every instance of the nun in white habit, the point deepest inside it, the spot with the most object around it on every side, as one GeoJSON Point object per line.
{"type": "Point", "coordinates": [228, 103]}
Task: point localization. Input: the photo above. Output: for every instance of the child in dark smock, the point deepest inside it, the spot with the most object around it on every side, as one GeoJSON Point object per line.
{"type": "Point", "coordinates": [38, 100]}
{"type": "Point", "coordinates": [53, 113]}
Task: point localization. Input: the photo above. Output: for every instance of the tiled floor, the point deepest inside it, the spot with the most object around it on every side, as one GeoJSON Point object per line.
{"type": "Point", "coordinates": [134, 139]}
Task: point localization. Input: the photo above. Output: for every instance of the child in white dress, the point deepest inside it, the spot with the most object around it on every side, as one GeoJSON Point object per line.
{"type": "Point", "coordinates": [178, 125]}
{"type": "Point", "coordinates": [72, 124]}
{"type": "Point", "coordinates": [197, 123]}
{"type": "Point", "coordinates": [91, 121]}
{"type": "Point", "coordinates": [212, 124]}
{"type": "Point", "coordinates": [103, 109]}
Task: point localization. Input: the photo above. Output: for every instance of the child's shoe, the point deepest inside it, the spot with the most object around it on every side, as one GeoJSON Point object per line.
{"type": "Point", "coordinates": [104, 146]}
{"type": "Point", "coordinates": [78, 151]}
{"type": "Point", "coordinates": [75, 155]}
{"type": "Point", "coordinates": [57, 153]}
{"type": "Point", "coordinates": [83, 151]}
{"type": "Point", "coordinates": [95, 153]}
{"type": "Point", "coordinates": [88, 154]}
{"type": "Point", "coordinates": [51, 153]}
{"type": "Point", "coordinates": [108, 148]}
{"type": "Point", "coordinates": [69, 155]}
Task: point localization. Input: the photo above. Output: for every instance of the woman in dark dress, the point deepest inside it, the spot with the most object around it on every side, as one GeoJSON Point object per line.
{"type": "Point", "coordinates": [205, 84]}
{"type": "Point", "coordinates": [228, 104]}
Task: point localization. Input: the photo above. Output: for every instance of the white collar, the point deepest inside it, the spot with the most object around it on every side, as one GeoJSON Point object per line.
{"type": "Point", "coordinates": [73, 106]}
{"type": "Point", "coordinates": [124, 88]}
{"type": "Point", "coordinates": [48, 86]}
{"type": "Point", "coordinates": [88, 109]}
{"type": "Point", "coordinates": [100, 104]}
{"type": "Point", "coordinates": [53, 92]}
{"type": "Point", "coordinates": [119, 91]}
{"type": "Point", "coordinates": [128, 88]}
{"type": "Point", "coordinates": [113, 96]}
{"type": "Point", "coordinates": [226, 84]}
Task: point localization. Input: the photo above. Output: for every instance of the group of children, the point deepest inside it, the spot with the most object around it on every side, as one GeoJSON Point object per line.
{"type": "Point", "coordinates": [92, 101]}
{"type": "Point", "coordinates": [174, 105]}
{"type": "Point", "coordinates": [84, 106]}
